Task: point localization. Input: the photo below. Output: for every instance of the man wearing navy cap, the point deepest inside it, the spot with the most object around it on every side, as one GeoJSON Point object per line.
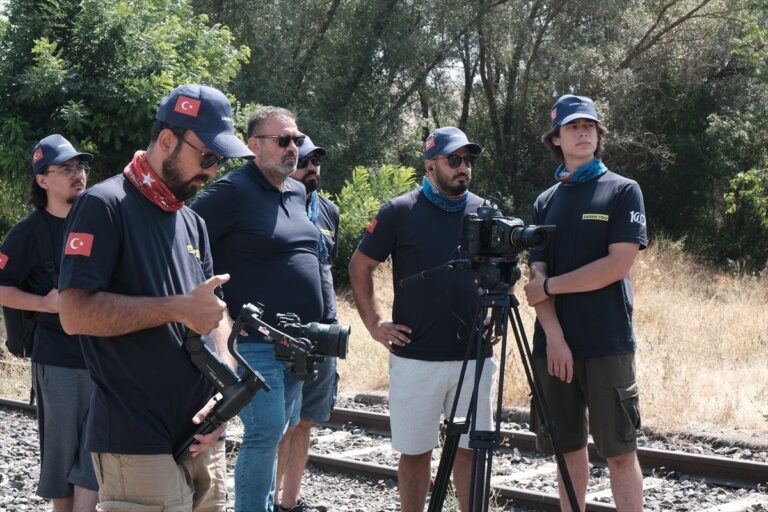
{"type": "Point", "coordinates": [27, 282]}
{"type": "Point", "coordinates": [261, 235]}
{"type": "Point", "coordinates": [427, 336]}
{"type": "Point", "coordinates": [136, 278]}
{"type": "Point", "coordinates": [318, 396]}
{"type": "Point", "coordinates": [583, 340]}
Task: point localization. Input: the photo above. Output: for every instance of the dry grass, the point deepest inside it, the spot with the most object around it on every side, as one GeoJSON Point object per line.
{"type": "Point", "coordinates": [702, 345]}
{"type": "Point", "coordinates": [702, 336]}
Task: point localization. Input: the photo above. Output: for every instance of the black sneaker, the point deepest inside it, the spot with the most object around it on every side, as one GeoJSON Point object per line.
{"type": "Point", "coordinates": [301, 506]}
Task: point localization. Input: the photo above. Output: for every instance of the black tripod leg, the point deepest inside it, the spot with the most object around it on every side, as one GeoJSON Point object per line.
{"type": "Point", "coordinates": [540, 404]}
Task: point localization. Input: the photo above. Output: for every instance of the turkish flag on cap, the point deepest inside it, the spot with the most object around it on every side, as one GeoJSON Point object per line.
{"type": "Point", "coordinates": [187, 106]}
{"type": "Point", "coordinates": [37, 156]}
{"type": "Point", "coordinates": [3, 260]}
{"type": "Point", "coordinates": [79, 244]}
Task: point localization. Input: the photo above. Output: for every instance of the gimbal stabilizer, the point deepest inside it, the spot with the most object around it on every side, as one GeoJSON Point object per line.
{"type": "Point", "coordinates": [236, 392]}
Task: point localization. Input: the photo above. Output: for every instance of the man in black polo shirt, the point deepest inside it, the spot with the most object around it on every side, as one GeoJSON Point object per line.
{"type": "Point", "coordinates": [136, 278]}
{"type": "Point", "coordinates": [261, 235]}
{"type": "Point", "coordinates": [431, 319]}
{"type": "Point", "coordinates": [583, 340]}
{"type": "Point", "coordinates": [61, 383]}
{"type": "Point", "coordinates": [318, 396]}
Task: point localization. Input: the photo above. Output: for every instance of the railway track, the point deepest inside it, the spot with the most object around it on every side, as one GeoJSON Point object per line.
{"type": "Point", "coordinates": [510, 489]}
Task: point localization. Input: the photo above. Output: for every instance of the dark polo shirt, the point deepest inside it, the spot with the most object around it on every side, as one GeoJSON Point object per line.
{"type": "Point", "coordinates": [263, 239]}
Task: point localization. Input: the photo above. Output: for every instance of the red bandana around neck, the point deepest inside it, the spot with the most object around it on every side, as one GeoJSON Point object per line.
{"type": "Point", "coordinates": [146, 180]}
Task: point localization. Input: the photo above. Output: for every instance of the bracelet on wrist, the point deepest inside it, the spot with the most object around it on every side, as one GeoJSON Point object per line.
{"type": "Point", "coordinates": [546, 288]}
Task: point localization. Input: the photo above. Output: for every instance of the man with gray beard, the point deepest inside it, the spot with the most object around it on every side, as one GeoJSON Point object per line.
{"type": "Point", "coordinates": [260, 233]}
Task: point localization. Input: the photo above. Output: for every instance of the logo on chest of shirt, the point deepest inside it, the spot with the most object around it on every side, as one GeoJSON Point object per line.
{"type": "Point", "coordinates": [595, 216]}
{"type": "Point", "coordinates": [637, 218]}
{"type": "Point", "coordinates": [195, 252]}
{"type": "Point", "coordinates": [3, 260]}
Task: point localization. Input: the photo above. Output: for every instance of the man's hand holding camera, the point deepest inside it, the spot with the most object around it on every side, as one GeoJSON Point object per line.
{"type": "Point", "coordinates": [205, 310]}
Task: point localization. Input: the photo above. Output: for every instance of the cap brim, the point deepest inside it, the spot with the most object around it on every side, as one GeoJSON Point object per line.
{"type": "Point", "coordinates": [225, 144]}
{"type": "Point", "coordinates": [69, 156]}
{"type": "Point", "coordinates": [311, 149]}
{"type": "Point", "coordinates": [473, 148]}
{"type": "Point", "coordinates": [578, 115]}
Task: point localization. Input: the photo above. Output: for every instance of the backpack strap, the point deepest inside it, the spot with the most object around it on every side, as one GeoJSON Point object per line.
{"type": "Point", "coordinates": [45, 244]}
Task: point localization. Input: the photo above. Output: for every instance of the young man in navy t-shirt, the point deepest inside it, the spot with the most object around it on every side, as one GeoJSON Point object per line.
{"type": "Point", "coordinates": [583, 340]}
{"type": "Point", "coordinates": [431, 319]}
{"type": "Point", "coordinates": [136, 279]}
{"type": "Point", "coordinates": [61, 382]}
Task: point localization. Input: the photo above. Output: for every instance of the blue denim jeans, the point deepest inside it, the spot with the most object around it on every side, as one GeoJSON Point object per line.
{"type": "Point", "coordinates": [264, 419]}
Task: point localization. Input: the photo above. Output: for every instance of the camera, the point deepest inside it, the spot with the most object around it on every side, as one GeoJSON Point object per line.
{"type": "Point", "coordinates": [327, 339]}
{"type": "Point", "coordinates": [488, 233]}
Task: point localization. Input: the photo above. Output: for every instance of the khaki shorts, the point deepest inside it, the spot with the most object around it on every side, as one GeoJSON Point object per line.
{"type": "Point", "coordinates": [605, 386]}
{"type": "Point", "coordinates": [421, 391]}
{"type": "Point", "coordinates": [154, 483]}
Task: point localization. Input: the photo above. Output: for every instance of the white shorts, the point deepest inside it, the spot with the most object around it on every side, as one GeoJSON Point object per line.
{"type": "Point", "coordinates": [421, 391]}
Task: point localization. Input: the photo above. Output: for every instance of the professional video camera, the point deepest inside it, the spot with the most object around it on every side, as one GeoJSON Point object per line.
{"type": "Point", "coordinates": [328, 339]}
{"type": "Point", "coordinates": [488, 233]}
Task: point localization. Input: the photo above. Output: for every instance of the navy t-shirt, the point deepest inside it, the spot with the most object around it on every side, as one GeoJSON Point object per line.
{"type": "Point", "coordinates": [328, 223]}
{"type": "Point", "coordinates": [263, 239]}
{"type": "Point", "coordinates": [420, 236]}
{"type": "Point", "coordinates": [589, 217]}
{"type": "Point", "coordinates": [146, 389]}
{"type": "Point", "coordinates": [24, 268]}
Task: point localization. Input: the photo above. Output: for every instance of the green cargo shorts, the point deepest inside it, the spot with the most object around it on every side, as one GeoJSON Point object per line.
{"type": "Point", "coordinates": [602, 400]}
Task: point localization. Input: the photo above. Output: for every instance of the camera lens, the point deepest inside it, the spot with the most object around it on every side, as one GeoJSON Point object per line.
{"type": "Point", "coordinates": [330, 340]}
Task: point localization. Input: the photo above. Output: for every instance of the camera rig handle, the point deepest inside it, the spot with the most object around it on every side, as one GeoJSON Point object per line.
{"type": "Point", "coordinates": [289, 348]}
{"type": "Point", "coordinates": [236, 392]}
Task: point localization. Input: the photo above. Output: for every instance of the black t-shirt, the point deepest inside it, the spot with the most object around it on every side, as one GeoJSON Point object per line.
{"type": "Point", "coordinates": [263, 239]}
{"type": "Point", "coordinates": [420, 236]}
{"type": "Point", "coordinates": [589, 217]}
{"type": "Point", "coordinates": [328, 223]}
{"type": "Point", "coordinates": [146, 389]}
{"type": "Point", "coordinates": [24, 268]}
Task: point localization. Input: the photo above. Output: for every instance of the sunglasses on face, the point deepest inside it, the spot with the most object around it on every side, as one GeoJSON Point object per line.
{"type": "Point", "coordinates": [206, 159]}
{"type": "Point", "coordinates": [284, 140]}
{"type": "Point", "coordinates": [303, 162]}
{"type": "Point", "coordinates": [454, 161]}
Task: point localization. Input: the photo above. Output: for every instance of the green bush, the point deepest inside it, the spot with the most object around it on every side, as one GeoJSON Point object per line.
{"type": "Point", "coordinates": [13, 201]}
{"type": "Point", "coordinates": [358, 202]}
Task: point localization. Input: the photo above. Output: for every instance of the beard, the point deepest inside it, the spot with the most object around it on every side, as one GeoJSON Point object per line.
{"type": "Point", "coordinates": [181, 189]}
{"type": "Point", "coordinates": [452, 190]}
{"type": "Point", "coordinates": [311, 182]}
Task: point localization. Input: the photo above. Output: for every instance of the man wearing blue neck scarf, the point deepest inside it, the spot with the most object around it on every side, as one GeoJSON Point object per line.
{"type": "Point", "coordinates": [426, 337]}
{"type": "Point", "coordinates": [583, 340]}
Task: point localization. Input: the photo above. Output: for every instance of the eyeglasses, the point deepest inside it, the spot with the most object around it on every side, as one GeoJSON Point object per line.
{"type": "Point", "coordinates": [284, 140]}
{"type": "Point", "coordinates": [454, 161]}
{"type": "Point", "coordinates": [303, 162]}
{"type": "Point", "coordinates": [71, 170]}
{"type": "Point", "coordinates": [206, 159]}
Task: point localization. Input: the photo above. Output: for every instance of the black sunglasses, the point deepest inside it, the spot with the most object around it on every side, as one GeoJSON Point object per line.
{"type": "Point", "coordinates": [284, 140]}
{"type": "Point", "coordinates": [454, 161]}
{"type": "Point", "coordinates": [206, 159]}
{"type": "Point", "coordinates": [303, 162]}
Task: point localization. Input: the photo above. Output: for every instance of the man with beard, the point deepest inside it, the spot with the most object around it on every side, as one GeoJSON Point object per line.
{"type": "Point", "coordinates": [319, 395]}
{"type": "Point", "coordinates": [136, 279]}
{"type": "Point", "coordinates": [260, 235]}
{"type": "Point", "coordinates": [27, 282]}
{"type": "Point", "coordinates": [431, 319]}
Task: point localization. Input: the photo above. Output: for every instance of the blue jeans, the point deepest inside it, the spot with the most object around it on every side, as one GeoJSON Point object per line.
{"type": "Point", "coordinates": [264, 419]}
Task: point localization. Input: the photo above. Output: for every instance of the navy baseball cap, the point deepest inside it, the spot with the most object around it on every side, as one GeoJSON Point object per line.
{"type": "Point", "coordinates": [570, 107]}
{"type": "Point", "coordinates": [206, 111]}
{"type": "Point", "coordinates": [446, 140]}
{"type": "Point", "coordinates": [309, 147]}
{"type": "Point", "coordinates": [55, 149]}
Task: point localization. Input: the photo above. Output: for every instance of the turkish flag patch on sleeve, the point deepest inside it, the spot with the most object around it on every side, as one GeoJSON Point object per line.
{"type": "Point", "coordinates": [372, 225]}
{"type": "Point", "coordinates": [79, 244]}
{"type": "Point", "coordinates": [3, 260]}
{"type": "Point", "coordinates": [187, 106]}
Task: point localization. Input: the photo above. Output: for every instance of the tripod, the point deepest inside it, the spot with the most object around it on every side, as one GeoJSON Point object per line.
{"type": "Point", "coordinates": [496, 277]}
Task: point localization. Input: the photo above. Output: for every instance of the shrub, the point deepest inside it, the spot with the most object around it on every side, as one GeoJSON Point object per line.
{"type": "Point", "coordinates": [358, 201]}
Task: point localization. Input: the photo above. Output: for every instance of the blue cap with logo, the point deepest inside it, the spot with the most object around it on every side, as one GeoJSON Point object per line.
{"type": "Point", "coordinates": [569, 107]}
{"type": "Point", "coordinates": [446, 140]}
{"type": "Point", "coordinates": [309, 147]}
{"type": "Point", "coordinates": [206, 111]}
{"type": "Point", "coordinates": [56, 150]}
